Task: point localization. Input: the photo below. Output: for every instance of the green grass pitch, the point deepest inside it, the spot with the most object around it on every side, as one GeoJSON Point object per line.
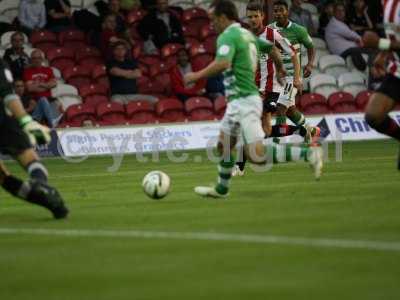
{"type": "Point", "coordinates": [84, 258]}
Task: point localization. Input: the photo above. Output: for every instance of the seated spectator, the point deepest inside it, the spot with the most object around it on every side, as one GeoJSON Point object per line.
{"type": "Point", "coordinates": [39, 80]}
{"type": "Point", "coordinates": [301, 16]}
{"type": "Point", "coordinates": [130, 4]}
{"type": "Point", "coordinates": [40, 110]}
{"type": "Point", "coordinates": [358, 17]}
{"type": "Point", "coordinates": [32, 15]}
{"type": "Point", "coordinates": [112, 7]}
{"type": "Point", "coordinates": [123, 73]}
{"type": "Point", "coordinates": [16, 57]}
{"type": "Point", "coordinates": [179, 88]}
{"type": "Point", "coordinates": [325, 17]}
{"type": "Point", "coordinates": [58, 13]}
{"type": "Point", "coordinates": [160, 26]}
{"type": "Point", "coordinates": [343, 41]}
{"type": "Point", "coordinates": [109, 36]}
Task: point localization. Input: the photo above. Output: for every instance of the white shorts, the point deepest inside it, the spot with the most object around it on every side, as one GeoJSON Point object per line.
{"type": "Point", "coordinates": [287, 96]}
{"type": "Point", "coordinates": [242, 119]}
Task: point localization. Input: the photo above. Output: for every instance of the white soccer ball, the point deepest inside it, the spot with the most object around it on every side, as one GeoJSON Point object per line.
{"type": "Point", "coordinates": [156, 184]}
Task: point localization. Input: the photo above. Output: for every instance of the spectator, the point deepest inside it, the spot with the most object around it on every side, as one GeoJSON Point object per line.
{"type": "Point", "coordinates": [32, 15]}
{"type": "Point", "coordinates": [16, 57]}
{"type": "Point", "coordinates": [343, 41]}
{"type": "Point", "coordinates": [59, 16]}
{"type": "Point", "coordinates": [301, 16]}
{"type": "Point", "coordinates": [109, 36]}
{"type": "Point", "coordinates": [160, 26]}
{"type": "Point", "coordinates": [40, 110]}
{"type": "Point", "coordinates": [39, 80]}
{"type": "Point", "coordinates": [325, 17]}
{"type": "Point", "coordinates": [179, 88]}
{"type": "Point", "coordinates": [123, 73]}
{"type": "Point", "coordinates": [113, 7]}
{"type": "Point", "coordinates": [130, 4]}
{"type": "Point", "coordinates": [358, 18]}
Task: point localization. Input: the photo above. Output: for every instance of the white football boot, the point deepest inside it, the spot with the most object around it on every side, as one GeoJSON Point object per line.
{"type": "Point", "coordinates": [236, 171]}
{"type": "Point", "coordinates": [208, 191]}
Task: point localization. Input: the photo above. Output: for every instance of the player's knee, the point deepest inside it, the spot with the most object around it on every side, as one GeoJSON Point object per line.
{"type": "Point", "coordinates": [281, 109]}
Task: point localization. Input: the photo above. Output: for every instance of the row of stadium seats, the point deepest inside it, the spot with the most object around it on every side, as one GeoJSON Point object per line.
{"type": "Point", "coordinates": [167, 110]}
{"type": "Point", "coordinates": [325, 84]}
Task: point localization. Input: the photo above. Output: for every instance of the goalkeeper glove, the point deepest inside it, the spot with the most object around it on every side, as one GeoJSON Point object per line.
{"type": "Point", "coordinates": [37, 133]}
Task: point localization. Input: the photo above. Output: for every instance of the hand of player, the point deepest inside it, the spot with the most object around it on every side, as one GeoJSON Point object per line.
{"type": "Point", "coordinates": [378, 68]}
{"type": "Point", "coordinates": [298, 84]}
{"type": "Point", "coordinates": [280, 76]}
{"type": "Point", "coordinates": [190, 78]}
{"type": "Point", "coordinates": [370, 40]}
{"type": "Point", "coordinates": [307, 71]}
{"type": "Point", "coordinates": [37, 133]}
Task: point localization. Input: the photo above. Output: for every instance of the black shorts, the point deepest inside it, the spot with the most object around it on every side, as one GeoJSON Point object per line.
{"type": "Point", "coordinates": [390, 87]}
{"type": "Point", "coordinates": [13, 140]}
{"type": "Point", "coordinates": [270, 102]}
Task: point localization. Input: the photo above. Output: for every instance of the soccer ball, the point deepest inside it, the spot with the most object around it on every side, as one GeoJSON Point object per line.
{"type": "Point", "coordinates": [156, 184]}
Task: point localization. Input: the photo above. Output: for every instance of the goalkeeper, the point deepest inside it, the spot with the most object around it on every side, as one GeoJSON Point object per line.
{"type": "Point", "coordinates": [18, 134]}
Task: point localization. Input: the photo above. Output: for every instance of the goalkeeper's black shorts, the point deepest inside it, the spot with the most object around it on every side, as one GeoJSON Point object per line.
{"type": "Point", "coordinates": [13, 140]}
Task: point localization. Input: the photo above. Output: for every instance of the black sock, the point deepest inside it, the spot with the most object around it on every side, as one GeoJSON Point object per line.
{"type": "Point", "coordinates": [280, 131]}
{"type": "Point", "coordinates": [16, 187]}
{"type": "Point", "coordinates": [38, 171]}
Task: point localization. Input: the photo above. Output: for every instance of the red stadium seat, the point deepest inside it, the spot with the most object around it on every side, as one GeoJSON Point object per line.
{"type": "Point", "coordinates": [199, 109]}
{"type": "Point", "coordinates": [140, 112]}
{"type": "Point", "coordinates": [196, 18]}
{"type": "Point", "coordinates": [133, 32]}
{"type": "Point", "coordinates": [197, 49]}
{"type": "Point", "coordinates": [314, 104]}
{"type": "Point", "coordinates": [150, 87]}
{"type": "Point", "coordinates": [206, 32]}
{"type": "Point", "coordinates": [89, 57]}
{"type": "Point", "coordinates": [43, 39]}
{"type": "Point", "coordinates": [95, 100]}
{"type": "Point", "coordinates": [210, 44]}
{"type": "Point", "coordinates": [136, 50]}
{"type": "Point", "coordinates": [77, 75]}
{"type": "Point", "coordinates": [61, 58]}
{"type": "Point", "coordinates": [111, 113]}
{"type": "Point", "coordinates": [149, 60]}
{"type": "Point", "coordinates": [191, 42]}
{"type": "Point", "coordinates": [72, 38]}
{"type": "Point", "coordinates": [220, 106]}
{"type": "Point", "coordinates": [200, 61]}
{"type": "Point", "coordinates": [342, 102]}
{"type": "Point", "coordinates": [170, 50]}
{"type": "Point", "coordinates": [78, 113]}
{"type": "Point", "coordinates": [155, 70]}
{"type": "Point", "coordinates": [135, 16]}
{"type": "Point", "coordinates": [93, 89]}
{"type": "Point", "coordinates": [164, 81]}
{"type": "Point", "coordinates": [170, 110]}
{"type": "Point", "coordinates": [362, 99]}
{"type": "Point", "coordinates": [190, 31]}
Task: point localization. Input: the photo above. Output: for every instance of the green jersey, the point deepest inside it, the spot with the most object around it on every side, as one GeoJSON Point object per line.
{"type": "Point", "coordinates": [242, 48]}
{"type": "Point", "coordinates": [297, 36]}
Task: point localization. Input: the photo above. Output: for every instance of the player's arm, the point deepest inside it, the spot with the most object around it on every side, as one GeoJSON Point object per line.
{"type": "Point", "coordinates": [307, 41]}
{"type": "Point", "coordinates": [276, 57]}
{"type": "Point", "coordinates": [223, 61]}
{"type": "Point", "coordinates": [372, 40]}
{"type": "Point", "coordinates": [37, 133]}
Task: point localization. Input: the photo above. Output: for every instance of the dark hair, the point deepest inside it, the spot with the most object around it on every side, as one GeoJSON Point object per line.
{"type": "Point", "coordinates": [255, 6]}
{"type": "Point", "coordinates": [281, 3]}
{"type": "Point", "coordinates": [119, 43]}
{"type": "Point", "coordinates": [227, 8]}
{"type": "Point", "coordinates": [337, 4]}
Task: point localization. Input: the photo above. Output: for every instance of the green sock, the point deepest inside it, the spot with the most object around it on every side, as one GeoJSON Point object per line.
{"type": "Point", "coordinates": [280, 120]}
{"type": "Point", "coordinates": [298, 118]}
{"type": "Point", "coordinates": [225, 167]}
{"type": "Point", "coordinates": [287, 153]}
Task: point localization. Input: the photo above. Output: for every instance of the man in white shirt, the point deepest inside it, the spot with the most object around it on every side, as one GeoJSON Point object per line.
{"type": "Point", "coordinates": [343, 41]}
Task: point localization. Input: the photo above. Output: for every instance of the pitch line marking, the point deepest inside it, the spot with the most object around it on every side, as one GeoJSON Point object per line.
{"type": "Point", "coordinates": [209, 236]}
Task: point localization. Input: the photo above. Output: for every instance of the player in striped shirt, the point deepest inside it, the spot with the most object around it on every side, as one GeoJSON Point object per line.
{"type": "Point", "coordinates": [387, 63]}
{"type": "Point", "coordinates": [298, 37]}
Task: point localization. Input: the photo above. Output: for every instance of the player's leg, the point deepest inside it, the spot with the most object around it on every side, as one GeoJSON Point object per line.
{"type": "Point", "coordinates": [30, 161]}
{"type": "Point", "coordinates": [230, 130]}
{"type": "Point", "coordinates": [309, 133]}
{"type": "Point", "coordinates": [34, 192]}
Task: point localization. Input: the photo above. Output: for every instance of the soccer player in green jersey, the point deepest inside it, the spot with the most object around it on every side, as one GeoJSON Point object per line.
{"type": "Point", "coordinates": [298, 37]}
{"type": "Point", "coordinates": [237, 57]}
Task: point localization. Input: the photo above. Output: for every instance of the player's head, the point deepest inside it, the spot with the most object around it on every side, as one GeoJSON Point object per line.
{"type": "Point", "coordinates": [223, 13]}
{"type": "Point", "coordinates": [37, 58]}
{"type": "Point", "coordinates": [255, 16]}
{"type": "Point", "coordinates": [17, 40]}
{"type": "Point", "coordinates": [339, 12]}
{"type": "Point", "coordinates": [281, 12]}
{"type": "Point", "coordinates": [162, 5]}
{"type": "Point", "coordinates": [120, 51]}
{"type": "Point", "coordinates": [183, 57]}
{"type": "Point", "coordinates": [19, 87]}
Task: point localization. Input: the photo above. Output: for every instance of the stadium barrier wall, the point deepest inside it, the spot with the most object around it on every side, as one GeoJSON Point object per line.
{"type": "Point", "coordinates": [77, 142]}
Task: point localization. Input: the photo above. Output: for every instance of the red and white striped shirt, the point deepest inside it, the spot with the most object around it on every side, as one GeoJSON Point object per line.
{"type": "Point", "coordinates": [391, 21]}
{"type": "Point", "coordinates": [268, 80]}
